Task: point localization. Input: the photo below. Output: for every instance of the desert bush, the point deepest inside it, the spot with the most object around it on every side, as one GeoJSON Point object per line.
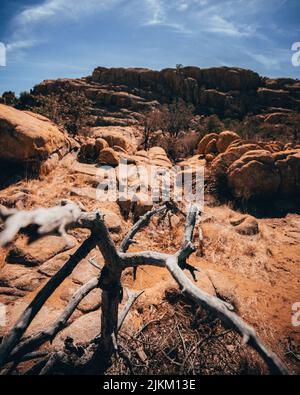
{"type": "Point", "coordinates": [152, 123]}
{"type": "Point", "coordinates": [168, 127]}
{"type": "Point", "coordinates": [26, 101]}
{"type": "Point", "coordinates": [9, 98]}
{"type": "Point", "coordinates": [214, 124]}
{"type": "Point", "coordinates": [177, 117]}
{"type": "Point", "coordinates": [249, 127]}
{"type": "Point", "coordinates": [69, 109]}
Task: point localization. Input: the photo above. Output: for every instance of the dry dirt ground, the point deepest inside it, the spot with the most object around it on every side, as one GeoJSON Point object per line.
{"type": "Point", "coordinates": [258, 274]}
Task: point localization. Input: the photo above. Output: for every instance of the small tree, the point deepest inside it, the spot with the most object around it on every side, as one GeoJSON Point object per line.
{"type": "Point", "coordinates": [249, 128]}
{"type": "Point", "coordinates": [9, 98]}
{"type": "Point", "coordinates": [179, 67]}
{"type": "Point", "coordinates": [69, 109]}
{"type": "Point", "coordinates": [152, 123]}
{"type": "Point", "coordinates": [213, 124]}
{"type": "Point", "coordinates": [26, 101]}
{"type": "Point", "coordinates": [167, 126]}
{"type": "Point", "coordinates": [177, 117]}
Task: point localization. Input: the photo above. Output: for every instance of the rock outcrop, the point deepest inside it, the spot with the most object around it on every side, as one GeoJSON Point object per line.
{"type": "Point", "coordinates": [258, 170]}
{"type": "Point", "coordinates": [38, 252]}
{"type": "Point", "coordinates": [108, 156]}
{"type": "Point", "coordinates": [119, 95]}
{"type": "Point", "coordinates": [117, 137]}
{"type": "Point", "coordinates": [253, 175]}
{"type": "Point", "coordinates": [29, 138]}
{"type": "Point", "coordinates": [225, 139]}
{"type": "Point", "coordinates": [213, 143]}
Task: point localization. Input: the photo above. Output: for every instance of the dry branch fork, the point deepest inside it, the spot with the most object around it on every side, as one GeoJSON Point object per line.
{"type": "Point", "coordinates": [60, 219]}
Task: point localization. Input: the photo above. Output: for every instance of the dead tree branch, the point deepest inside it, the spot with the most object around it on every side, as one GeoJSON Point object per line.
{"type": "Point", "coordinates": [15, 334]}
{"type": "Point", "coordinates": [138, 226]}
{"type": "Point", "coordinates": [56, 219]}
{"type": "Point", "coordinates": [132, 297]}
{"type": "Point", "coordinates": [61, 218]}
{"type": "Point", "coordinates": [49, 334]}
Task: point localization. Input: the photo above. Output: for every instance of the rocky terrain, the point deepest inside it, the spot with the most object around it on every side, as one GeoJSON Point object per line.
{"type": "Point", "coordinates": [224, 91]}
{"type": "Point", "coordinates": [120, 97]}
{"type": "Point", "coordinates": [249, 258]}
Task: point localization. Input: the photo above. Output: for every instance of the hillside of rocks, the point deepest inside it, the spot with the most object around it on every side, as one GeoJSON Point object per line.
{"type": "Point", "coordinates": [119, 96]}
{"type": "Point", "coordinates": [224, 91]}
{"type": "Point", "coordinates": [246, 259]}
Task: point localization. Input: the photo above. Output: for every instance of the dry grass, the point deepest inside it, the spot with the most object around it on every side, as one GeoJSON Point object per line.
{"type": "Point", "coordinates": [181, 338]}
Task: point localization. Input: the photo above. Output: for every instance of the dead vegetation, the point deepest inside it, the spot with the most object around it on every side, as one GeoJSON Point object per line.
{"type": "Point", "coordinates": [96, 356]}
{"type": "Point", "coordinates": [179, 337]}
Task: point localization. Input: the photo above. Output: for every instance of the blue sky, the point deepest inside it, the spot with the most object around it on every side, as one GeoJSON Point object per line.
{"type": "Point", "coordinates": [68, 38]}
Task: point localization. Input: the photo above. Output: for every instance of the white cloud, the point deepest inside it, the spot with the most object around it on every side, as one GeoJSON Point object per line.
{"type": "Point", "coordinates": [267, 61]}
{"type": "Point", "coordinates": [224, 17]}
{"type": "Point", "coordinates": [25, 23]}
{"type": "Point", "coordinates": [156, 11]}
{"type": "Point", "coordinates": [218, 24]}
{"type": "Point", "coordinates": [200, 17]}
{"type": "Point", "coordinates": [183, 6]}
{"type": "Point", "coordinates": [63, 9]}
{"type": "Point", "coordinates": [21, 44]}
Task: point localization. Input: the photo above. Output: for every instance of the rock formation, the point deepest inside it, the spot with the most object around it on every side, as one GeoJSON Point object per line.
{"type": "Point", "coordinates": [30, 139]}
{"type": "Point", "coordinates": [253, 169]}
{"type": "Point", "coordinates": [119, 95]}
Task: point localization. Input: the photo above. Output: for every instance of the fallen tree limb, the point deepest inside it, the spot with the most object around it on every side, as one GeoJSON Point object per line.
{"type": "Point", "coordinates": [49, 333]}
{"type": "Point", "coordinates": [217, 306]}
{"type": "Point", "coordinates": [110, 278]}
{"type": "Point", "coordinates": [13, 337]}
{"type": "Point", "coordinates": [47, 220]}
{"type": "Point", "coordinates": [138, 226]}
{"type": "Point", "coordinates": [132, 297]}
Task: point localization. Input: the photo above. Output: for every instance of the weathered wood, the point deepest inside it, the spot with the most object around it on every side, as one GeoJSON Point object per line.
{"type": "Point", "coordinates": [221, 310]}
{"type": "Point", "coordinates": [138, 226]}
{"type": "Point", "coordinates": [217, 306]}
{"type": "Point", "coordinates": [61, 218]}
{"type": "Point", "coordinates": [38, 339]}
{"type": "Point", "coordinates": [48, 220]}
{"type": "Point", "coordinates": [15, 334]}
{"type": "Point", "coordinates": [132, 297]}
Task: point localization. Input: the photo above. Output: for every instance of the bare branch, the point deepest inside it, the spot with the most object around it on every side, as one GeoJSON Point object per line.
{"type": "Point", "coordinates": [49, 334]}
{"type": "Point", "coordinates": [145, 326]}
{"type": "Point", "coordinates": [60, 218]}
{"type": "Point", "coordinates": [220, 309]}
{"type": "Point", "coordinates": [217, 306]}
{"type": "Point", "coordinates": [132, 297]}
{"type": "Point", "coordinates": [47, 220]}
{"type": "Point", "coordinates": [55, 357]}
{"type": "Point", "coordinates": [15, 334]}
{"type": "Point", "coordinates": [150, 258]}
{"type": "Point", "coordinates": [187, 247]}
{"type": "Point", "coordinates": [138, 226]}
{"type": "Point", "coordinates": [95, 264]}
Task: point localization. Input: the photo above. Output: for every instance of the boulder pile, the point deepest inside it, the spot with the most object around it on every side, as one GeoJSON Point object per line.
{"type": "Point", "coordinates": [253, 169]}
{"type": "Point", "coordinates": [107, 145]}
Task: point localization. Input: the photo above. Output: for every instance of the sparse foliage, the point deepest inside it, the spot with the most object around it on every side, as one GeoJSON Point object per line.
{"type": "Point", "coordinates": [69, 109]}
{"type": "Point", "coordinates": [152, 123]}
{"type": "Point", "coordinates": [179, 67]}
{"type": "Point", "coordinates": [9, 98]}
{"type": "Point", "coordinates": [214, 124]}
{"type": "Point", "coordinates": [167, 126]}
